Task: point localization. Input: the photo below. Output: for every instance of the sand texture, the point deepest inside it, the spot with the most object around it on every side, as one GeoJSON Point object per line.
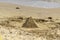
{"type": "Point", "coordinates": [29, 23]}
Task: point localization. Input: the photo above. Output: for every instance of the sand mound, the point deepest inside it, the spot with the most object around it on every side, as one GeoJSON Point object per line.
{"type": "Point", "coordinates": [29, 23]}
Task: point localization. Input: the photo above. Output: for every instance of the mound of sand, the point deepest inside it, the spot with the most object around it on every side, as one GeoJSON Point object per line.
{"type": "Point", "coordinates": [29, 23]}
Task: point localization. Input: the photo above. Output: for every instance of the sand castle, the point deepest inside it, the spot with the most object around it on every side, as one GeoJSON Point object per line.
{"type": "Point", "coordinates": [29, 23]}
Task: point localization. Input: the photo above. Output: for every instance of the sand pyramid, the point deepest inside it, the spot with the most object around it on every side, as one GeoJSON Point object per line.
{"type": "Point", "coordinates": [29, 23]}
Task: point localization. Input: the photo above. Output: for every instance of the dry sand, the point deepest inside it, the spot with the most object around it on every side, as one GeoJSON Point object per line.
{"type": "Point", "coordinates": [11, 28]}
{"type": "Point", "coordinates": [10, 10]}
